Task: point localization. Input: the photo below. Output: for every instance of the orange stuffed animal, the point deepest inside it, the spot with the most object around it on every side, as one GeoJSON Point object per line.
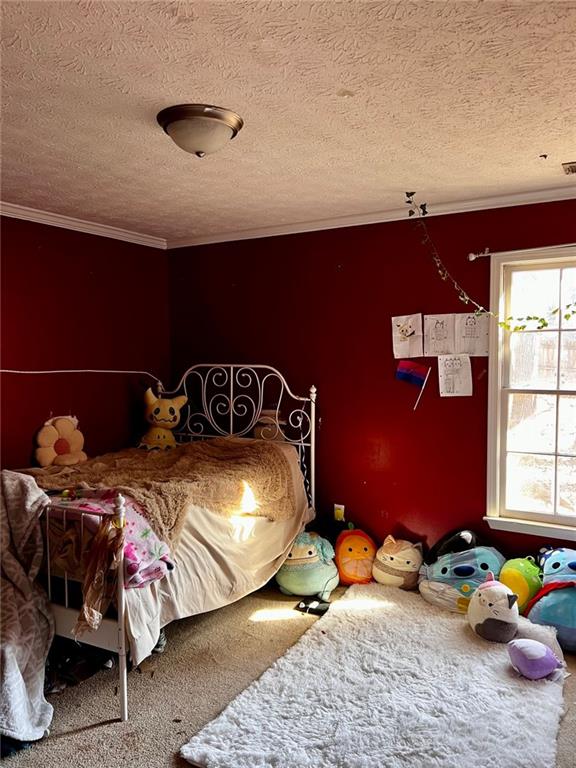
{"type": "Point", "coordinates": [355, 553]}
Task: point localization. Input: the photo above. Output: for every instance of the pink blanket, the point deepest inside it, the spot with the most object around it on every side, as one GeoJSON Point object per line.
{"type": "Point", "coordinates": [146, 557]}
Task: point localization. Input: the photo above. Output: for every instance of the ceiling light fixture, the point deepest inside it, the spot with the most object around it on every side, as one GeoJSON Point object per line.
{"type": "Point", "coordinates": [200, 128]}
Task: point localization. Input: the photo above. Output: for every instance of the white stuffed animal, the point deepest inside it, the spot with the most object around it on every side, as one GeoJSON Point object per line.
{"type": "Point", "coordinates": [493, 611]}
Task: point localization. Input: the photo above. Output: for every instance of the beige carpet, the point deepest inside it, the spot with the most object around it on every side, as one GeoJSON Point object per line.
{"type": "Point", "coordinates": [209, 659]}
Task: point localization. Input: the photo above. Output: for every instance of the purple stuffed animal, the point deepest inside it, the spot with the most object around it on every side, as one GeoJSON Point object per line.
{"type": "Point", "coordinates": [532, 659]}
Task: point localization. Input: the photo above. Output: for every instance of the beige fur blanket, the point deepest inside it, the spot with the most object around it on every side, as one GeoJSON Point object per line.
{"type": "Point", "coordinates": [213, 474]}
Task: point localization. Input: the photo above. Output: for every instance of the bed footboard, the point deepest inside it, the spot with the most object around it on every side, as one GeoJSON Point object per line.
{"type": "Point", "coordinates": [111, 635]}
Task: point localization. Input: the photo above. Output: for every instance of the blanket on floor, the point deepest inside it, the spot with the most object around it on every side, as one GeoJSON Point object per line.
{"type": "Point", "coordinates": [214, 474]}
{"type": "Point", "coordinates": [26, 625]}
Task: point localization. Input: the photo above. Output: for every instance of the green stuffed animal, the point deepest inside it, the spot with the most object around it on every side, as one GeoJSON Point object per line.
{"type": "Point", "coordinates": [523, 577]}
{"type": "Point", "coordinates": [163, 415]}
{"type": "Point", "coordinates": [309, 568]}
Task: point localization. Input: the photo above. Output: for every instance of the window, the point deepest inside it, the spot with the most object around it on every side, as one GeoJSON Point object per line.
{"type": "Point", "coordinates": [532, 395]}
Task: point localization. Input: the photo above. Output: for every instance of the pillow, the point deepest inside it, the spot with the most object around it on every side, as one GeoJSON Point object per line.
{"type": "Point", "coordinates": [60, 442]}
{"type": "Point", "coordinates": [532, 659]}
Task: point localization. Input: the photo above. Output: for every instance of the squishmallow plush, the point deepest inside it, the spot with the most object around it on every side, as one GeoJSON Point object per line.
{"type": "Point", "coordinates": [533, 659]}
{"type": "Point", "coordinates": [523, 577]}
{"type": "Point", "coordinates": [455, 541]}
{"type": "Point", "coordinates": [309, 568]}
{"type": "Point", "coordinates": [558, 565]}
{"type": "Point", "coordinates": [397, 563]}
{"type": "Point", "coordinates": [355, 552]}
{"type": "Point", "coordinates": [555, 604]}
{"type": "Point", "coordinates": [60, 442]}
{"type": "Point", "coordinates": [163, 415]}
{"type": "Point", "coordinates": [544, 553]}
{"type": "Point", "coordinates": [493, 611]}
{"type": "Point", "coordinates": [452, 579]}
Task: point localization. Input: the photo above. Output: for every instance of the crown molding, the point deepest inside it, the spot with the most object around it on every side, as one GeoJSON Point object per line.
{"type": "Point", "coordinates": [480, 204]}
{"type": "Point", "coordinates": [441, 209]}
{"type": "Point", "coordinates": [79, 225]}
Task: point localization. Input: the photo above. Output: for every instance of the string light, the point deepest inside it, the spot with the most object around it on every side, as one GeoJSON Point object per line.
{"type": "Point", "coordinates": [420, 211]}
{"type": "Point", "coordinates": [509, 323]}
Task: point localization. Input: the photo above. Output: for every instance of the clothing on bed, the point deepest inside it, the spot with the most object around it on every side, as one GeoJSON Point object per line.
{"type": "Point", "coordinates": [26, 624]}
{"type": "Point", "coordinates": [101, 577]}
{"type": "Point", "coordinates": [90, 552]}
{"type": "Point", "coordinates": [146, 557]}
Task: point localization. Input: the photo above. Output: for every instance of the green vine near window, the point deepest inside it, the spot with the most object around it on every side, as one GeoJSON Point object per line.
{"type": "Point", "coordinates": [420, 211]}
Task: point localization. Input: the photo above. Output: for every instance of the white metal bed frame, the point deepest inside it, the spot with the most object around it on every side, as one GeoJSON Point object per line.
{"type": "Point", "coordinates": [223, 400]}
{"type": "Point", "coordinates": [111, 635]}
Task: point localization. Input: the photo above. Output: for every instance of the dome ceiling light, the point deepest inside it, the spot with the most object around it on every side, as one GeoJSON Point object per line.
{"type": "Point", "coordinates": [200, 128]}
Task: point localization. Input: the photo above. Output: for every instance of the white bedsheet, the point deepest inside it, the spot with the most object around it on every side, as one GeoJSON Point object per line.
{"type": "Point", "coordinates": [219, 560]}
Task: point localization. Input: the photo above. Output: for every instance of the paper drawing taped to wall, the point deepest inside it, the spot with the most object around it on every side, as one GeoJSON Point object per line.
{"type": "Point", "coordinates": [407, 335]}
{"type": "Point", "coordinates": [438, 335]}
{"type": "Point", "coordinates": [454, 375]}
{"type": "Point", "coordinates": [471, 334]}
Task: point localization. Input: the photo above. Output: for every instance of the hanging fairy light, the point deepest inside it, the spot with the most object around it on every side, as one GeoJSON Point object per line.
{"type": "Point", "coordinates": [420, 211]}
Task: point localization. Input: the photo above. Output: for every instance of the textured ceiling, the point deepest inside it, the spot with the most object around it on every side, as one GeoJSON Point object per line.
{"type": "Point", "coordinates": [346, 105]}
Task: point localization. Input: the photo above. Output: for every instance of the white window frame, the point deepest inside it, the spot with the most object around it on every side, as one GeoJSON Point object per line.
{"type": "Point", "coordinates": [531, 524]}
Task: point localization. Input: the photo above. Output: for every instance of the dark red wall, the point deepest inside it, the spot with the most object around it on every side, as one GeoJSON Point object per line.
{"type": "Point", "coordinates": [71, 300]}
{"type": "Point", "coordinates": [318, 306]}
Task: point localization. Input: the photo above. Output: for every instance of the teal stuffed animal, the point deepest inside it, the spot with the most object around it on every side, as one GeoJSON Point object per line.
{"type": "Point", "coordinates": [309, 568]}
{"type": "Point", "coordinates": [555, 604]}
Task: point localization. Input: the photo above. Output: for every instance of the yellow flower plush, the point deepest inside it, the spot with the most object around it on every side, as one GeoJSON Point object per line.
{"type": "Point", "coordinates": [60, 442]}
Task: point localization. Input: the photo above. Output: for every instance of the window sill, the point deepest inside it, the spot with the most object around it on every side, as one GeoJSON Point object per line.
{"type": "Point", "coordinates": [532, 528]}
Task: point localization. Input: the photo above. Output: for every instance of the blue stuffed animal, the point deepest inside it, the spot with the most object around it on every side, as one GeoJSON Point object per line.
{"type": "Point", "coordinates": [555, 603]}
{"type": "Point", "coordinates": [451, 581]}
{"type": "Point", "coordinates": [309, 568]}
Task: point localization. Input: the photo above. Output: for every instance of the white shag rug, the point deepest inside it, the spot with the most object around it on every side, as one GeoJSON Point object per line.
{"type": "Point", "coordinates": [385, 679]}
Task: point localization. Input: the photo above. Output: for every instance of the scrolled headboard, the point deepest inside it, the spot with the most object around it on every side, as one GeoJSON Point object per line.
{"type": "Point", "coordinates": [231, 399]}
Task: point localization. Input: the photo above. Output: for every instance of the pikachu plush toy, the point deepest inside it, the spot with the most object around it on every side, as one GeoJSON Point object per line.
{"type": "Point", "coordinates": [163, 415]}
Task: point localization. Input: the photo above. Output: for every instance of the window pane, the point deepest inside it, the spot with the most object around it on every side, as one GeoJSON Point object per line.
{"type": "Point", "coordinates": [568, 295]}
{"type": "Point", "coordinates": [535, 292]}
{"type": "Point", "coordinates": [533, 360]}
{"type": "Point", "coordinates": [531, 423]}
{"type": "Point", "coordinates": [567, 424]}
{"type": "Point", "coordinates": [530, 483]}
{"type": "Point", "coordinates": [566, 486]}
{"type": "Point", "coordinates": [568, 360]}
